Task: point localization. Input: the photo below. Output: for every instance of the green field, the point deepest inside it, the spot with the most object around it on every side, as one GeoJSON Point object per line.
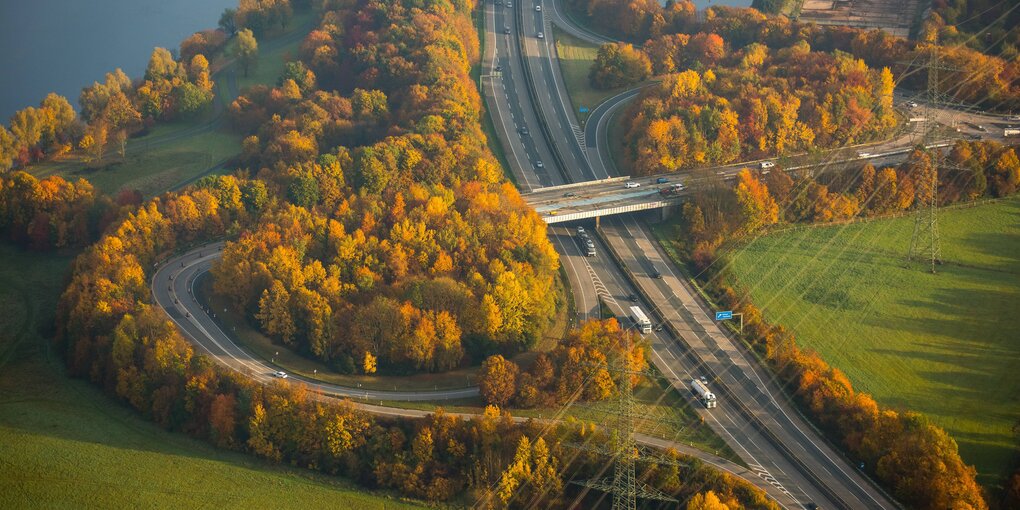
{"type": "Point", "coordinates": [575, 58]}
{"type": "Point", "coordinates": [275, 51]}
{"type": "Point", "coordinates": [944, 344]}
{"type": "Point", "coordinates": [179, 154]}
{"type": "Point", "coordinates": [64, 444]}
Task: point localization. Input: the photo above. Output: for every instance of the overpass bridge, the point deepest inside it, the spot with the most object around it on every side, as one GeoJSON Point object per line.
{"type": "Point", "coordinates": [608, 197]}
{"type": "Point", "coordinates": [594, 199]}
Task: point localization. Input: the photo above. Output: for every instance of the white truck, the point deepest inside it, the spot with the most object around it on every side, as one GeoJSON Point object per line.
{"type": "Point", "coordinates": [640, 320]}
{"type": "Point", "coordinates": [705, 395]}
{"type": "Point", "coordinates": [1011, 131]}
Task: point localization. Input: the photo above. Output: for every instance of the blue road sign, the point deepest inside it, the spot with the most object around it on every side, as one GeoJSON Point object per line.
{"type": "Point", "coordinates": [583, 109]}
{"type": "Point", "coordinates": [721, 316]}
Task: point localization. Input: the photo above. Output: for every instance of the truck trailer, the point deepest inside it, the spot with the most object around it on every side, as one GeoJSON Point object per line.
{"type": "Point", "coordinates": [640, 320]}
{"type": "Point", "coordinates": [705, 395]}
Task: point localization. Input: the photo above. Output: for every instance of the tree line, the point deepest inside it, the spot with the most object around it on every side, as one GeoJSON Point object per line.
{"type": "Point", "coordinates": [585, 365]}
{"type": "Point", "coordinates": [112, 110]}
{"type": "Point", "coordinates": [916, 460]}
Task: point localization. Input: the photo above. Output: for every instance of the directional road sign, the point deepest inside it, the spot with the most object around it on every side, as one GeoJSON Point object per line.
{"type": "Point", "coordinates": [721, 316]}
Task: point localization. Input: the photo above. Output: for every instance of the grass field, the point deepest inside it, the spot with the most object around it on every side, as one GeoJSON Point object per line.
{"type": "Point", "coordinates": [152, 169]}
{"type": "Point", "coordinates": [275, 51]}
{"type": "Point", "coordinates": [944, 344]}
{"type": "Point", "coordinates": [64, 444]}
{"type": "Point", "coordinates": [575, 58]}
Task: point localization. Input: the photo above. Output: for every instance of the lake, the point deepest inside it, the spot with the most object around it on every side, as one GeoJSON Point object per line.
{"type": "Point", "coordinates": [705, 4]}
{"type": "Point", "coordinates": [63, 45]}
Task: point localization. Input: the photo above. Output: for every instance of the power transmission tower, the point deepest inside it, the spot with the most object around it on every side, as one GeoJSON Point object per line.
{"type": "Point", "coordinates": [625, 451]}
{"type": "Point", "coordinates": [925, 243]}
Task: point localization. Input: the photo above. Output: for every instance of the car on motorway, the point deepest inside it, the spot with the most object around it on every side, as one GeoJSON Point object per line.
{"type": "Point", "coordinates": [541, 35]}
{"type": "Point", "coordinates": [580, 230]}
{"type": "Point", "coordinates": [497, 68]}
{"type": "Point", "coordinates": [506, 29]}
{"type": "Point", "coordinates": [661, 180]}
{"type": "Point", "coordinates": [764, 165]}
{"type": "Point", "coordinates": [981, 128]}
{"type": "Point", "coordinates": [538, 8]}
{"type": "Point", "coordinates": [632, 184]}
{"type": "Point", "coordinates": [523, 130]}
{"type": "Point", "coordinates": [912, 104]}
{"type": "Point", "coordinates": [281, 374]}
{"type": "Point", "coordinates": [656, 274]}
{"type": "Point", "coordinates": [863, 154]}
{"type": "Point", "coordinates": [508, 4]}
{"type": "Point", "coordinates": [570, 194]}
{"type": "Point", "coordinates": [539, 164]}
{"type": "Point", "coordinates": [632, 298]}
{"type": "Point", "coordinates": [1011, 118]}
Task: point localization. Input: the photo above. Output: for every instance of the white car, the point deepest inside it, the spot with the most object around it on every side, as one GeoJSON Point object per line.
{"type": "Point", "coordinates": [863, 155]}
{"type": "Point", "coordinates": [280, 374]}
{"type": "Point", "coordinates": [539, 164]}
{"type": "Point", "coordinates": [767, 164]}
{"type": "Point", "coordinates": [541, 35]}
{"type": "Point", "coordinates": [632, 184]}
{"type": "Point", "coordinates": [538, 8]}
{"type": "Point", "coordinates": [912, 104]}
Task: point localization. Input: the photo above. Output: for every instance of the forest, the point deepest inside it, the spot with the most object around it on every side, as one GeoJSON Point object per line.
{"type": "Point", "coordinates": [985, 75]}
{"type": "Point", "coordinates": [392, 241]}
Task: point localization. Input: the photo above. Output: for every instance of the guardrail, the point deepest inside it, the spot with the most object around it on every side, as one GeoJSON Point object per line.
{"type": "Point", "coordinates": [722, 388]}
{"type": "Point", "coordinates": [530, 85]}
{"type": "Point", "coordinates": [580, 184]}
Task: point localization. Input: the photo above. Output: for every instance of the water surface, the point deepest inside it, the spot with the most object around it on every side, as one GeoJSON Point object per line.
{"type": "Point", "coordinates": [62, 45]}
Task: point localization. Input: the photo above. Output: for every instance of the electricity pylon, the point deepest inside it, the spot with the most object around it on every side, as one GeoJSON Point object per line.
{"type": "Point", "coordinates": [925, 242]}
{"type": "Point", "coordinates": [625, 451]}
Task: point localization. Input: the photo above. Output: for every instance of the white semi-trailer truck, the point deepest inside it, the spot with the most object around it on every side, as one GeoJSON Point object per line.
{"type": "Point", "coordinates": [705, 395]}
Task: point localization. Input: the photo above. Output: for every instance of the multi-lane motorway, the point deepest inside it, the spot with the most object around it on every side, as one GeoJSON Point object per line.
{"type": "Point", "coordinates": [754, 416]}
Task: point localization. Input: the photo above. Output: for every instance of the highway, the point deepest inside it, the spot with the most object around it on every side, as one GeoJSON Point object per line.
{"type": "Point", "coordinates": [509, 105]}
{"type": "Point", "coordinates": [753, 416]}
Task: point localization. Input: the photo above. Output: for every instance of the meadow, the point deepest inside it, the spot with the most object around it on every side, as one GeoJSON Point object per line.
{"type": "Point", "coordinates": [944, 344]}
{"type": "Point", "coordinates": [575, 58]}
{"type": "Point", "coordinates": [64, 444]}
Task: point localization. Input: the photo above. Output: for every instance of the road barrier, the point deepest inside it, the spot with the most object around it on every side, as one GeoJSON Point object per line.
{"type": "Point", "coordinates": [722, 388]}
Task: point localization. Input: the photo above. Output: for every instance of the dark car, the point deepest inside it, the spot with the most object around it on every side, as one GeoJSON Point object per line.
{"type": "Point", "coordinates": [506, 30]}
{"type": "Point", "coordinates": [661, 180]}
{"type": "Point", "coordinates": [657, 275]}
{"type": "Point", "coordinates": [498, 68]}
{"type": "Point", "coordinates": [633, 298]}
{"type": "Point", "coordinates": [570, 194]}
{"type": "Point", "coordinates": [523, 130]}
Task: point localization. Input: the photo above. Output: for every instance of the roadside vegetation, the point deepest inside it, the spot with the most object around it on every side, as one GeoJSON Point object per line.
{"type": "Point", "coordinates": [944, 345]}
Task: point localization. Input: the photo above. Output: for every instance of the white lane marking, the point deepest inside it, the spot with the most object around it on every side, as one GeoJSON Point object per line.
{"type": "Point", "coordinates": [742, 361]}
